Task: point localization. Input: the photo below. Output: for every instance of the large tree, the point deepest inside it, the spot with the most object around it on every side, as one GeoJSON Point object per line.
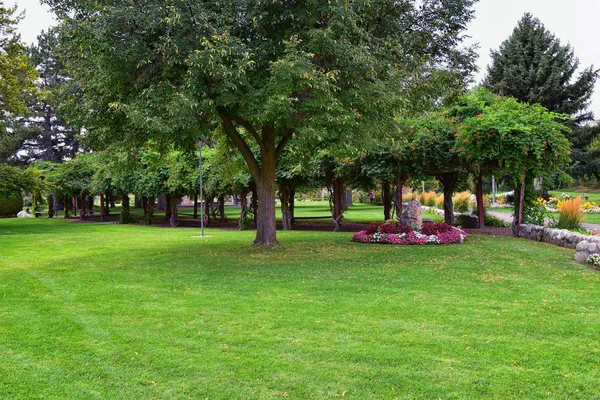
{"type": "Point", "coordinates": [262, 73]}
{"type": "Point", "coordinates": [43, 134]}
{"type": "Point", "coordinates": [16, 73]}
{"type": "Point", "coordinates": [534, 67]}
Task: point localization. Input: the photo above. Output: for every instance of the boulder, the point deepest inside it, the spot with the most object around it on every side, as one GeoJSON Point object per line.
{"type": "Point", "coordinates": [24, 214]}
{"type": "Point", "coordinates": [468, 221]}
{"type": "Point", "coordinates": [411, 216]}
{"type": "Point", "coordinates": [582, 256]}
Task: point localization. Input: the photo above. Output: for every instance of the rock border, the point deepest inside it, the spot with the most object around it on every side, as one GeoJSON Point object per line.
{"type": "Point", "coordinates": [583, 244]}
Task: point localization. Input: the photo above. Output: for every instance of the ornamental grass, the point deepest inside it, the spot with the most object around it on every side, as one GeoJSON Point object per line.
{"type": "Point", "coordinates": [461, 201]}
{"type": "Point", "coordinates": [570, 215]}
{"type": "Point", "coordinates": [427, 198]}
{"type": "Point", "coordinates": [439, 202]}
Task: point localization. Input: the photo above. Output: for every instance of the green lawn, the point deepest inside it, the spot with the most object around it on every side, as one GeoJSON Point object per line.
{"type": "Point", "coordinates": [593, 195]}
{"type": "Point", "coordinates": [125, 312]}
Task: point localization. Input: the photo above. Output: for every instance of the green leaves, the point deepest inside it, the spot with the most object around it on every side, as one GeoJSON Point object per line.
{"type": "Point", "coordinates": [17, 75]}
{"type": "Point", "coordinates": [534, 67]}
{"type": "Point", "coordinates": [511, 135]}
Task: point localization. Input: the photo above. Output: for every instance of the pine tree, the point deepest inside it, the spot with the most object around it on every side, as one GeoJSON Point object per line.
{"type": "Point", "coordinates": [16, 73]}
{"type": "Point", "coordinates": [43, 134]}
{"type": "Point", "coordinates": [533, 66]}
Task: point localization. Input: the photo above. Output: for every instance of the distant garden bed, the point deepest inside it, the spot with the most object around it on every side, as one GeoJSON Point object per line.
{"type": "Point", "coordinates": [430, 233]}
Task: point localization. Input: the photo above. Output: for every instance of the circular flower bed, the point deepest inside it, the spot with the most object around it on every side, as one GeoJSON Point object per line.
{"type": "Point", "coordinates": [390, 233]}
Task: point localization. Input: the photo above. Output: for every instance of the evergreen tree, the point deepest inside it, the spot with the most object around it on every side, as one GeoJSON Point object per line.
{"type": "Point", "coordinates": [534, 67]}
{"type": "Point", "coordinates": [16, 73]}
{"type": "Point", "coordinates": [43, 134]}
{"type": "Point", "coordinates": [586, 152]}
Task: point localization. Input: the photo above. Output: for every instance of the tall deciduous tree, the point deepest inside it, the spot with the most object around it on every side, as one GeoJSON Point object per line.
{"type": "Point", "coordinates": [534, 67]}
{"type": "Point", "coordinates": [16, 73]}
{"type": "Point", "coordinates": [261, 73]}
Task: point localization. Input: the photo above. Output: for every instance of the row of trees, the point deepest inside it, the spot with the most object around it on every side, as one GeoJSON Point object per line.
{"type": "Point", "coordinates": [480, 133]}
{"type": "Point", "coordinates": [304, 92]}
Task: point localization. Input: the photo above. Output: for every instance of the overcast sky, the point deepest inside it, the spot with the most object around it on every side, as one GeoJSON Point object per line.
{"type": "Point", "coordinates": [574, 22]}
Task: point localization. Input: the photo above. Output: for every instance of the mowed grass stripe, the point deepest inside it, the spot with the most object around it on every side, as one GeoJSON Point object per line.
{"type": "Point", "coordinates": [109, 311]}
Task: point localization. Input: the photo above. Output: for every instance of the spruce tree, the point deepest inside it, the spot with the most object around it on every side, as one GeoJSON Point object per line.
{"type": "Point", "coordinates": [533, 66]}
{"type": "Point", "coordinates": [43, 134]}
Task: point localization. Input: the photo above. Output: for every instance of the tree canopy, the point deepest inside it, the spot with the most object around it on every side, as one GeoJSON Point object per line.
{"type": "Point", "coordinates": [262, 73]}
{"type": "Point", "coordinates": [16, 73]}
{"type": "Point", "coordinates": [534, 67]}
{"type": "Point", "coordinates": [42, 133]}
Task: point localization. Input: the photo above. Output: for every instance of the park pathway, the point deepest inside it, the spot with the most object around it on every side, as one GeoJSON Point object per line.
{"type": "Point", "coordinates": [507, 217]}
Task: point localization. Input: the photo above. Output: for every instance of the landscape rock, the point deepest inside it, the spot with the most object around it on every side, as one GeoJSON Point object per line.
{"type": "Point", "coordinates": [585, 245]}
{"type": "Point", "coordinates": [467, 221]}
{"type": "Point", "coordinates": [24, 214]}
{"type": "Point", "coordinates": [582, 256]}
{"type": "Point", "coordinates": [411, 216]}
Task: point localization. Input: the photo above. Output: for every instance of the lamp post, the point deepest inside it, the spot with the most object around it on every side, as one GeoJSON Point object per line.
{"type": "Point", "coordinates": [200, 145]}
{"type": "Point", "coordinates": [493, 190]}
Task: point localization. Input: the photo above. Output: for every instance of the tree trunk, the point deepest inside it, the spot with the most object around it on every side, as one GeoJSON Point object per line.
{"type": "Point", "coordinates": [148, 205]}
{"type": "Point", "coordinates": [254, 203]}
{"type": "Point", "coordinates": [166, 201]}
{"type": "Point", "coordinates": [348, 199]}
{"type": "Point", "coordinates": [399, 183]}
{"type": "Point", "coordinates": [519, 219]}
{"type": "Point", "coordinates": [195, 205]}
{"type": "Point", "coordinates": [284, 197]}
{"type": "Point", "coordinates": [223, 218]}
{"type": "Point", "coordinates": [448, 181]}
{"type": "Point", "coordinates": [338, 203]}
{"type": "Point", "coordinates": [262, 171]}
{"type": "Point", "coordinates": [479, 199]}
{"type": "Point", "coordinates": [66, 207]}
{"type": "Point", "coordinates": [102, 208]}
{"type": "Point", "coordinates": [125, 216]}
{"type": "Point", "coordinates": [292, 202]}
{"type": "Point", "coordinates": [161, 203]}
{"type": "Point", "coordinates": [74, 200]}
{"type": "Point", "coordinates": [208, 205]}
{"type": "Point", "coordinates": [387, 200]}
{"type": "Point", "coordinates": [243, 224]}
{"type": "Point", "coordinates": [172, 209]}
{"type": "Point", "coordinates": [50, 205]}
{"type": "Point", "coordinates": [265, 189]}
{"type": "Point", "coordinates": [83, 211]}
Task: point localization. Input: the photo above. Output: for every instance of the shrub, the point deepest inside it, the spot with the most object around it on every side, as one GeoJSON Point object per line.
{"type": "Point", "coordinates": [388, 228]}
{"type": "Point", "coordinates": [487, 200]}
{"type": "Point", "coordinates": [461, 202]}
{"type": "Point", "coordinates": [358, 196]}
{"type": "Point", "coordinates": [427, 199]}
{"type": "Point", "coordinates": [439, 201]}
{"type": "Point", "coordinates": [371, 229]}
{"type": "Point", "coordinates": [10, 204]}
{"type": "Point", "coordinates": [570, 215]}
{"type": "Point", "coordinates": [435, 229]}
{"type": "Point", "coordinates": [594, 260]}
{"type": "Point", "coordinates": [490, 220]}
